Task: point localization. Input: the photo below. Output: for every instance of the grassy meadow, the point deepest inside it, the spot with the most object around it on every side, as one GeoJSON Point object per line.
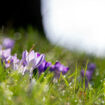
{"type": "Point", "coordinates": [69, 89]}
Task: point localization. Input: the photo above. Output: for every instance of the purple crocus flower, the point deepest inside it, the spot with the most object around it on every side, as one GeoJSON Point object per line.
{"type": "Point", "coordinates": [5, 53]}
{"type": "Point", "coordinates": [59, 68]}
{"type": "Point", "coordinates": [12, 61]}
{"type": "Point", "coordinates": [8, 61]}
{"type": "Point", "coordinates": [91, 67]}
{"type": "Point", "coordinates": [8, 43]}
{"type": "Point", "coordinates": [27, 62]}
{"type": "Point", "coordinates": [89, 72]}
{"type": "Point", "coordinates": [43, 66]}
{"type": "Point", "coordinates": [30, 61]}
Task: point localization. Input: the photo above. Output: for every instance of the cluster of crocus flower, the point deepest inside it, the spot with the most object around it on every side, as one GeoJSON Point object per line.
{"type": "Point", "coordinates": [29, 62]}
{"type": "Point", "coordinates": [89, 73]}
{"type": "Point", "coordinates": [57, 68]}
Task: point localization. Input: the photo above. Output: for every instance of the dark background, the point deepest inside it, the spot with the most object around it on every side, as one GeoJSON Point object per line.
{"type": "Point", "coordinates": [20, 13]}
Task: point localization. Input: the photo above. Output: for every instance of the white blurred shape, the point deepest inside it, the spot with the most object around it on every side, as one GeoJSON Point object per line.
{"type": "Point", "coordinates": [76, 24]}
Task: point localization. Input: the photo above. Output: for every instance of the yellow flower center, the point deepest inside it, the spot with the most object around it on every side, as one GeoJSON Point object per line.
{"type": "Point", "coordinates": [9, 61]}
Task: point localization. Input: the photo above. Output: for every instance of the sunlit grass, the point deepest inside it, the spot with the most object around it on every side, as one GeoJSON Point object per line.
{"type": "Point", "coordinates": [16, 89]}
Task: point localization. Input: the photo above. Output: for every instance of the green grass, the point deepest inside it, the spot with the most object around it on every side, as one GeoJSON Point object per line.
{"type": "Point", "coordinates": [16, 89]}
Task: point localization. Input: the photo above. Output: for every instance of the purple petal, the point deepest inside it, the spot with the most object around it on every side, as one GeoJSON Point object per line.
{"type": "Point", "coordinates": [65, 70]}
{"type": "Point", "coordinates": [6, 53]}
{"type": "Point", "coordinates": [82, 73]}
{"type": "Point", "coordinates": [59, 68]}
{"type": "Point", "coordinates": [89, 75]}
{"type": "Point", "coordinates": [30, 56]}
{"type": "Point", "coordinates": [91, 67]}
{"type": "Point", "coordinates": [43, 66]}
{"type": "Point", "coordinates": [15, 59]}
{"type": "Point", "coordinates": [39, 59]}
{"type": "Point", "coordinates": [8, 43]}
{"type": "Point", "coordinates": [38, 54]}
{"type": "Point", "coordinates": [24, 55]}
{"type": "Point", "coordinates": [52, 68]}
